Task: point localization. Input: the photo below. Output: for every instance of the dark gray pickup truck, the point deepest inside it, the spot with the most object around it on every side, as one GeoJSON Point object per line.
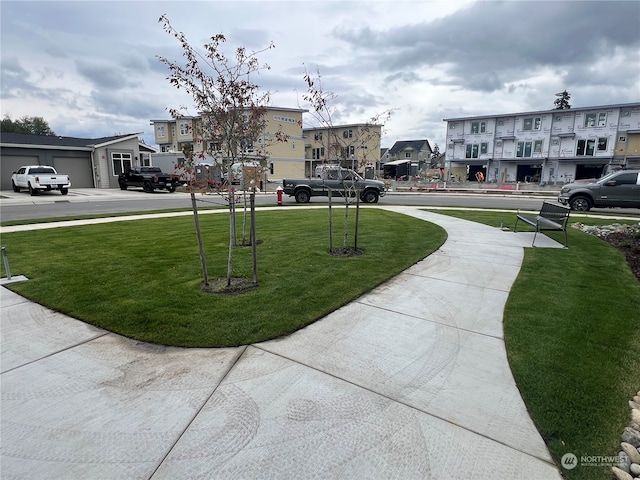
{"type": "Point", "coordinates": [149, 178]}
{"type": "Point", "coordinates": [618, 189]}
{"type": "Point", "coordinates": [341, 182]}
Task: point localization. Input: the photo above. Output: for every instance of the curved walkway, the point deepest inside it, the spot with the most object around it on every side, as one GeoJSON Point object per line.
{"type": "Point", "coordinates": [410, 381]}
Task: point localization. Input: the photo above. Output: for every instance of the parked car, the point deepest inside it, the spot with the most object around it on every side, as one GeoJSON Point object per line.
{"type": "Point", "coordinates": [617, 189]}
{"type": "Point", "coordinates": [39, 178]}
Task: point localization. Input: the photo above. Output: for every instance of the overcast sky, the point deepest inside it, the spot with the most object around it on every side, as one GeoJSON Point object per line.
{"type": "Point", "coordinates": [89, 68]}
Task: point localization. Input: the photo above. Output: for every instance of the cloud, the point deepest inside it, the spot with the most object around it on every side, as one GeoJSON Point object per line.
{"type": "Point", "coordinates": [514, 38]}
{"type": "Point", "coordinates": [93, 65]}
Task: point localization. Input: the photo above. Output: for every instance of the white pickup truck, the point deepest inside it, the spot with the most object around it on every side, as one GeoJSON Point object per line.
{"type": "Point", "coordinates": [40, 177]}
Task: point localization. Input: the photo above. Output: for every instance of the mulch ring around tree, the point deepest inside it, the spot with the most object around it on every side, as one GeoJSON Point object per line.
{"type": "Point", "coordinates": [346, 252]}
{"type": "Point", "coordinates": [238, 286]}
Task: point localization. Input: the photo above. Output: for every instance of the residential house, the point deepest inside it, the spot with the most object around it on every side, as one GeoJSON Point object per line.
{"type": "Point", "coordinates": [546, 146]}
{"type": "Point", "coordinates": [355, 146]}
{"type": "Point", "coordinates": [284, 159]}
{"type": "Point", "coordinates": [90, 162]}
{"type": "Point", "coordinates": [406, 158]}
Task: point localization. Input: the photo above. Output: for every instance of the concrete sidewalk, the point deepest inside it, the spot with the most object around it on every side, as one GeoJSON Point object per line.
{"type": "Point", "coordinates": [410, 381]}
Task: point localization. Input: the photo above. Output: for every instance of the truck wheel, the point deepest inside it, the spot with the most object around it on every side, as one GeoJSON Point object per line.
{"type": "Point", "coordinates": [171, 189]}
{"type": "Point", "coordinates": [15, 187]}
{"type": "Point", "coordinates": [370, 196]}
{"type": "Point", "coordinates": [580, 203]}
{"type": "Point", "coordinates": [148, 187]}
{"type": "Point", "coordinates": [303, 196]}
{"type": "Point", "coordinates": [123, 186]}
{"type": "Point", "coordinates": [32, 191]}
{"type": "Point", "coordinates": [64, 191]}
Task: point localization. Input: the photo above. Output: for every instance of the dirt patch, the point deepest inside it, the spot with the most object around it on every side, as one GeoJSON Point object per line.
{"type": "Point", "coordinates": [238, 286]}
{"type": "Point", "coordinates": [346, 252]}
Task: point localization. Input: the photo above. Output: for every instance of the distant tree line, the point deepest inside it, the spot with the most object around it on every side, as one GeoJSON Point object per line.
{"type": "Point", "coordinates": [28, 125]}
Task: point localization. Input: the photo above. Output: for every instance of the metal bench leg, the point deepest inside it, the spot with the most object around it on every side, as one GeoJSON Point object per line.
{"type": "Point", "coordinates": [534, 238]}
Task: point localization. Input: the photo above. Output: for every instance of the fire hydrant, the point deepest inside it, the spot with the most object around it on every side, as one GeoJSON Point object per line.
{"type": "Point", "coordinates": [279, 192]}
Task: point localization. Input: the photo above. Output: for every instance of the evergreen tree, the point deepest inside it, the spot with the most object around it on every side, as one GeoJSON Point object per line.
{"type": "Point", "coordinates": [562, 102]}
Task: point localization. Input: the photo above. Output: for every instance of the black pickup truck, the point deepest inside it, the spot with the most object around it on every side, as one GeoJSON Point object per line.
{"type": "Point", "coordinates": [149, 178]}
{"type": "Point", "coordinates": [341, 182]}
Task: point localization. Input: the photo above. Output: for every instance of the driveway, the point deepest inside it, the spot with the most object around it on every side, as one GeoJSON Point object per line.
{"type": "Point", "coordinates": [409, 381]}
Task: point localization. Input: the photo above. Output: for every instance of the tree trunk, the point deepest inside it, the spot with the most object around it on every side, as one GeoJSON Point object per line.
{"type": "Point", "coordinates": [346, 222]}
{"type": "Point", "coordinates": [203, 259]}
{"type": "Point", "coordinates": [232, 236]}
{"type": "Point", "coordinates": [330, 225]}
{"type": "Point", "coordinates": [244, 219]}
{"type": "Point", "coordinates": [254, 242]}
{"type": "Point", "coordinates": [355, 232]}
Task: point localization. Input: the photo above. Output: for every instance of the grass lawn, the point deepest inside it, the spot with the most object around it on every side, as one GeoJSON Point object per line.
{"type": "Point", "coordinates": [572, 332]}
{"type": "Point", "coordinates": [142, 278]}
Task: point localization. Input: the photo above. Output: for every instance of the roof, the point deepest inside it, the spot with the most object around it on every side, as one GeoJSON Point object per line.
{"type": "Point", "coordinates": [199, 116]}
{"type": "Point", "coordinates": [339, 127]}
{"type": "Point", "coordinates": [553, 110]}
{"type": "Point", "coordinates": [399, 162]}
{"type": "Point", "coordinates": [403, 145]}
{"type": "Point", "coordinates": [55, 141]}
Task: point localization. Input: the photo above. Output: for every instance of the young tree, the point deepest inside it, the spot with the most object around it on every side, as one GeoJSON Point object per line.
{"type": "Point", "coordinates": [339, 151]}
{"type": "Point", "coordinates": [434, 156]}
{"type": "Point", "coordinates": [231, 107]}
{"type": "Point", "coordinates": [28, 125]}
{"type": "Point", "coordinates": [562, 102]}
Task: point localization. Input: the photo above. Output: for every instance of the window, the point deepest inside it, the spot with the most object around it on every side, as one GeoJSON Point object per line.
{"type": "Point", "coordinates": [472, 151]}
{"type": "Point", "coordinates": [478, 127]}
{"type": "Point", "coordinates": [271, 168]}
{"type": "Point", "coordinates": [184, 127]}
{"type": "Point", "coordinates": [317, 153]}
{"type": "Point", "coordinates": [317, 136]}
{"type": "Point", "coordinates": [627, 179]}
{"type": "Point", "coordinates": [280, 118]}
{"type": "Point", "coordinates": [602, 119]}
{"type": "Point", "coordinates": [247, 145]}
{"type": "Point", "coordinates": [483, 148]}
{"type": "Point", "coordinates": [160, 131]}
{"type": "Point", "coordinates": [475, 127]}
{"type": "Point", "coordinates": [524, 149]}
{"type": "Point", "coordinates": [537, 146]}
{"type": "Point", "coordinates": [622, 138]}
{"type": "Point", "coordinates": [586, 148]}
{"type": "Point", "coordinates": [500, 123]}
{"type": "Point", "coordinates": [595, 119]}
{"type": "Point", "coordinates": [347, 133]}
{"type": "Point", "coordinates": [215, 146]}
{"type": "Point", "coordinates": [532, 123]}
{"type": "Point", "coordinates": [407, 154]}
{"type": "Point", "coordinates": [121, 162]}
{"type": "Point", "coordinates": [626, 113]}
{"type": "Point", "coordinates": [602, 144]}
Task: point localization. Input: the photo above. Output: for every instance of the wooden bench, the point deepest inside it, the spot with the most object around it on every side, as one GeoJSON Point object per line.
{"type": "Point", "coordinates": [551, 217]}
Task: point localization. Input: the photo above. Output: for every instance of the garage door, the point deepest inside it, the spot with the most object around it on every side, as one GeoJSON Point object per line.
{"type": "Point", "coordinates": [9, 164]}
{"type": "Point", "coordinates": [79, 169]}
